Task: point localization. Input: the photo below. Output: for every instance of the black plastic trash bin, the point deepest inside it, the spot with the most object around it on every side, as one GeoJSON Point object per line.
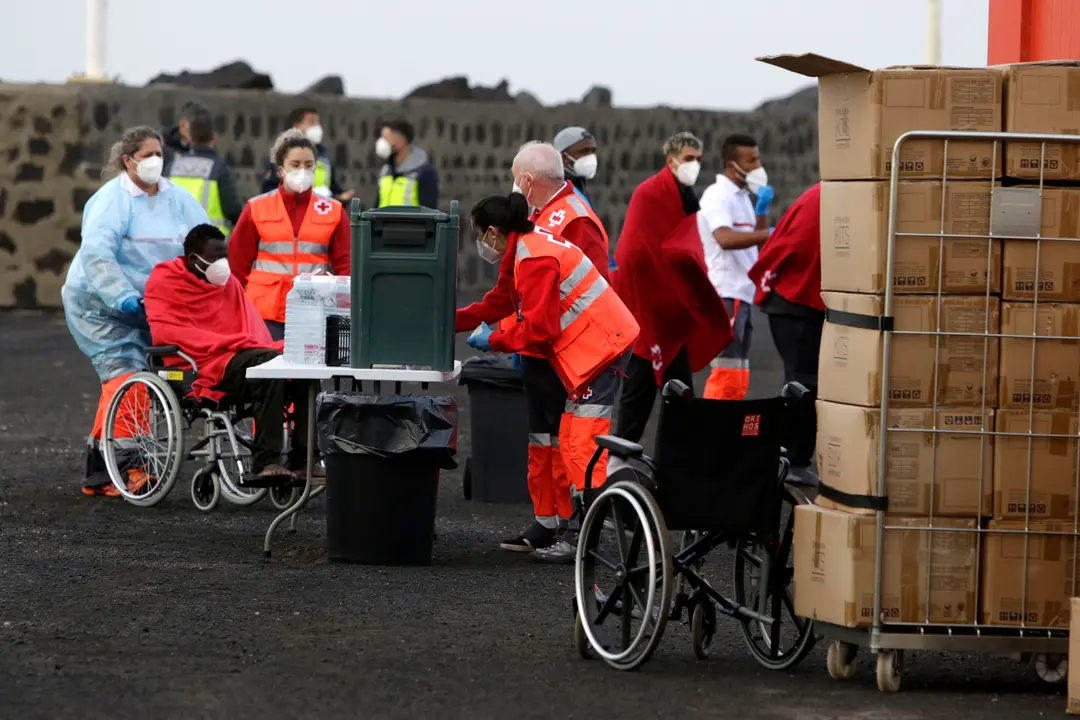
{"type": "Point", "coordinates": [383, 454]}
{"type": "Point", "coordinates": [497, 470]}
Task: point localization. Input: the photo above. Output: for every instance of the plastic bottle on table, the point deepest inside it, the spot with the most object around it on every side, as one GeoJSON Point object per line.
{"type": "Point", "coordinates": [305, 322]}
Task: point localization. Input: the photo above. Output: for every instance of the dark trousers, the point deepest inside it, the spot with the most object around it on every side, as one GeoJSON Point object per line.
{"type": "Point", "coordinates": [639, 393]}
{"type": "Point", "coordinates": [277, 330]}
{"type": "Point", "coordinates": [268, 399]}
{"type": "Point", "coordinates": [798, 341]}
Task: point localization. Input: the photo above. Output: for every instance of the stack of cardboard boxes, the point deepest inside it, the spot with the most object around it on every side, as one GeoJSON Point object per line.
{"type": "Point", "coordinates": [977, 381]}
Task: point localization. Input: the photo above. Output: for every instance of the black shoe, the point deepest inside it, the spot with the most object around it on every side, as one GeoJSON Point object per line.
{"type": "Point", "coordinates": [535, 537]}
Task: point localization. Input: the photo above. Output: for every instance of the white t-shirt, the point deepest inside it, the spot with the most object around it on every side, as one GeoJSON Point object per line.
{"type": "Point", "coordinates": [725, 204]}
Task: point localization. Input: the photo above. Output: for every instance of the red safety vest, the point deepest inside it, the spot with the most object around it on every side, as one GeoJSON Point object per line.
{"type": "Point", "coordinates": [553, 217]}
{"type": "Point", "coordinates": [596, 326]}
{"type": "Point", "coordinates": [282, 255]}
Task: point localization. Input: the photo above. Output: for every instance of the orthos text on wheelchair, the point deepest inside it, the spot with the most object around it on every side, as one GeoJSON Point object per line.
{"type": "Point", "coordinates": [207, 334]}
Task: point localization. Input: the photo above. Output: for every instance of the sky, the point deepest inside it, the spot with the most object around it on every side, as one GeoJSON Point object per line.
{"type": "Point", "coordinates": [683, 53]}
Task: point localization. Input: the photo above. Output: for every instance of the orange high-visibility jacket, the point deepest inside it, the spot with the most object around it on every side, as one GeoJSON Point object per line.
{"type": "Point", "coordinates": [596, 325]}
{"type": "Point", "coordinates": [282, 255]}
{"type": "Point", "coordinates": [553, 217]}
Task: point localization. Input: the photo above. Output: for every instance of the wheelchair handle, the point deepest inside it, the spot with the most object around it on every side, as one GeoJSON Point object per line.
{"type": "Point", "coordinates": [677, 388]}
{"type": "Point", "coordinates": [795, 390]}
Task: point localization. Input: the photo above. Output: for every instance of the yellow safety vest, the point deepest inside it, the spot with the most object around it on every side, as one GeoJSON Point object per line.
{"type": "Point", "coordinates": [198, 175]}
{"type": "Point", "coordinates": [322, 172]}
{"type": "Point", "coordinates": [400, 190]}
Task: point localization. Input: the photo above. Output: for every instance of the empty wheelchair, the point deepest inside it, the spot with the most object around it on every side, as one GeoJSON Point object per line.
{"type": "Point", "coordinates": [143, 439]}
{"type": "Point", "coordinates": [721, 478]}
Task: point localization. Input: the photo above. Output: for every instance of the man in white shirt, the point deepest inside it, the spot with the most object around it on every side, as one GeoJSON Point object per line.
{"type": "Point", "coordinates": [734, 226]}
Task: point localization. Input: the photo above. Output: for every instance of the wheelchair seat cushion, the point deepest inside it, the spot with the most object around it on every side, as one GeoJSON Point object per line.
{"type": "Point", "coordinates": [718, 463]}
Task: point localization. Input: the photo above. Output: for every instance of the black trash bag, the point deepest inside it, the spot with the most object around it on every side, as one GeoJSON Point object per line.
{"type": "Point", "coordinates": [493, 371]}
{"type": "Point", "coordinates": [388, 426]}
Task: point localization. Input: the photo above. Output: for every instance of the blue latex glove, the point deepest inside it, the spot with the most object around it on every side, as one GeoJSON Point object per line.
{"type": "Point", "coordinates": [764, 199]}
{"type": "Point", "coordinates": [131, 304]}
{"type": "Point", "coordinates": [479, 339]}
{"type": "Point", "coordinates": [515, 362]}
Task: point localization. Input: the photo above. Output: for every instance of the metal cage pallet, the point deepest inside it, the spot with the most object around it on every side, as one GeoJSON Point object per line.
{"type": "Point", "coordinates": [1015, 213]}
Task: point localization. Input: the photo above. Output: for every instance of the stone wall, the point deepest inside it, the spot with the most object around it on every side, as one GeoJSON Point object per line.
{"type": "Point", "coordinates": [55, 139]}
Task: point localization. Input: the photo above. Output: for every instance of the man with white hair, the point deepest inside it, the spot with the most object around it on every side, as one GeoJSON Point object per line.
{"type": "Point", "coordinates": [538, 175]}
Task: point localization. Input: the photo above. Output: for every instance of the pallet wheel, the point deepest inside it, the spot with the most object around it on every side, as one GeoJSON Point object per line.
{"type": "Point", "coordinates": [890, 670]}
{"type": "Point", "coordinates": [702, 627]}
{"type": "Point", "coordinates": [840, 660]}
{"type": "Point", "coordinates": [1051, 668]}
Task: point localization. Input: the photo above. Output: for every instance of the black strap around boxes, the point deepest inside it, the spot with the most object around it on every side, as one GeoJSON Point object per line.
{"type": "Point", "coordinates": [858, 320]}
{"type": "Point", "coordinates": [859, 502]}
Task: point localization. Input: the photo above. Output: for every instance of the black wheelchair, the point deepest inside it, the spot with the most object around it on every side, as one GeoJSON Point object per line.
{"type": "Point", "coordinates": [720, 476]}
{"type": "Point", "coordinates": [143, 438]}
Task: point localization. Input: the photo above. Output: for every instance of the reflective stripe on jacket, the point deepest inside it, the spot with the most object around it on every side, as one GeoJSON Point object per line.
{"type": "Point", "coordinates": [282, 256]}
{"type": "Point", "coordinates": [596, 327]}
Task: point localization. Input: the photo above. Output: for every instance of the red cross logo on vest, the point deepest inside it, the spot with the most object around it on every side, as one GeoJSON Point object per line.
{"type": "Point", "coordinates": [657, 358]}
{"type": "Point", "coordinates": [556, 218]}
{"type": "Point", "coordinates": [323, 207]}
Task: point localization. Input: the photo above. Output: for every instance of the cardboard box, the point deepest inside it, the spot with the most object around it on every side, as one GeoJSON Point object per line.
{"type": "Point", "coordinates": [1043, 98]}
{"type": "Point", "coordinates": [1057, 362]}
{"type": "Point", "coordinates": [1042, 597]}
{"type": "Point", "coordinates": [850, 363]}
{"type": "Point", "coordinates": [1059, 261]}
{"type": "Point", "coordinates": [848, 449]}
{"type": "Point", "coordinates": [1053, 465]}
{"type": "Point", "coordinates": [862, 113]}
{"type": "Point", "coordinates": [1072, 707]}
{"type": "Point", "coordinates": [834, 568]}
{"type": "Point", "coordinates": [855, 237]}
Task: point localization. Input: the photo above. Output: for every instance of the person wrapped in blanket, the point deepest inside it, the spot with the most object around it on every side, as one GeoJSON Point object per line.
{"type": "Point", "coordinates": [195, 303]}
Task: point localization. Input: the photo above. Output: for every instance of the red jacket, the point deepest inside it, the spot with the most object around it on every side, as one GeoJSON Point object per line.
{"type": "Point", "coordinates": [209, 323]}
{"type": "Point", "coordinates": [244, 239]}
{"type": "Point", "coordinates": [790, 260]}
{"type": "Point", "coordinates": [662, 278]}
{"type": "Point", "coordinates": [501, 301]}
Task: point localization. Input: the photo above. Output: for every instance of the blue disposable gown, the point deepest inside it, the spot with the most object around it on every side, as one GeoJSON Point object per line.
{"type": "Point", "coordinates": [125, 233]}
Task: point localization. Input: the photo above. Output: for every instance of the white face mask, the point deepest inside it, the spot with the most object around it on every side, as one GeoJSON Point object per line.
{"type": "Point", "coordinates": [585, 166]}
{"type": "Point", "coordinates": [383, 148]}
{"type": "Point", "coordinates": [486, 252]}
{"type": "Point", "coordinates": [314, 134]}
{"type": "Point", "coordinates": [217, 272]}
{"type": "Point", "coordinates": [149, 169]}
{"type": "Point", "coordinates": [299, 180]}
{"type": "Point", "coordinates": [756, 179]}
{"type": "Point", "coordinates": [687, 173]}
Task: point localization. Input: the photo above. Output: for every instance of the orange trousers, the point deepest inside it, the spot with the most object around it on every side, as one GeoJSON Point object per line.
{"type": "Point", "coordinates": [132, 417]}
{"type": "Point", "coordinates": [729, 378]}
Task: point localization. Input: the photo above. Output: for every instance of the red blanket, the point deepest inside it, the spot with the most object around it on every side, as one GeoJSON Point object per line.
{"type": "Point", "coordinates": [662, 278]}
{"type": "Point", "coordinates": [209, 323]}
{"type": "Point", "coordinates": [790, 260]}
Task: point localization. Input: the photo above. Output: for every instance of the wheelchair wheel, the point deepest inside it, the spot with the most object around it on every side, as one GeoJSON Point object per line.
{"type": "Point", "coordinates": [623, 578]}
{"type": "Point", "coordinates": [143, 439]}
{"type": "Point", "coordinates": [283, 498]}
{"type": "Point", "coordinates": [787, 640]}
{"type": "Point", "coordinates": [702, 627]}
{"type": "Point", "coordinates": [232, 466]}
{"type": "Point", "coordinates": [205, 488]}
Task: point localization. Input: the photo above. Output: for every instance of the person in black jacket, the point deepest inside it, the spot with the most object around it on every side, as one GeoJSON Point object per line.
{"type": "Point", "coordinates": [177, 139]}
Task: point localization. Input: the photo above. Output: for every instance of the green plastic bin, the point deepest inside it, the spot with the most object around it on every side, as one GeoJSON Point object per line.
{"type": "Point", "coordinates": [404, 287]}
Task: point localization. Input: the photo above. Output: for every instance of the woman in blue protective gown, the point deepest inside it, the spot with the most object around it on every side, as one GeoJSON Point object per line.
{"type": "Point", "coordinates": [136, 220]}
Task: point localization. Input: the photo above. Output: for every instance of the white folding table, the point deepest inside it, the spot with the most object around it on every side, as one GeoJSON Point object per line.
{"type": "Point", "coordinates": [278, 369]}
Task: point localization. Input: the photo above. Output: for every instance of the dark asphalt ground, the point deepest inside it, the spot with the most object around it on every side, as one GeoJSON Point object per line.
{"type": "Point", "coordinates": [109, 611]}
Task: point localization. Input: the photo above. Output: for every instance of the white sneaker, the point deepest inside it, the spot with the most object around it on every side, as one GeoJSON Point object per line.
{"type": "Point", "coordinates": [562, 552]}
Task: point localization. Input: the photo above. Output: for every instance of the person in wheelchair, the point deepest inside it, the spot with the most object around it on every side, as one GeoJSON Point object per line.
{"type": "Point", "coordinates": [568, 314]}
{"type": "Point", "coordinates": [194, 303]}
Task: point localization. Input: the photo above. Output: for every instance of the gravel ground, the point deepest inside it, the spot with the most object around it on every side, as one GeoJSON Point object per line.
{"type": "Point", "coordinates": [107, 610]}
